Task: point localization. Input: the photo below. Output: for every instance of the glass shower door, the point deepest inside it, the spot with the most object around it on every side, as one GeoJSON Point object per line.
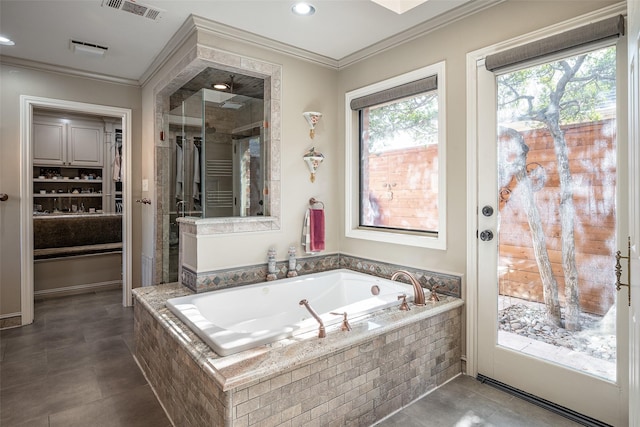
{"type": "Point", "coordinates": [185, 186]}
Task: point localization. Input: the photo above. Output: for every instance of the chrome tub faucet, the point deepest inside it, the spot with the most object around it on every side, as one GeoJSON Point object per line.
{"type": "Point", "coordinates": [418, 292]}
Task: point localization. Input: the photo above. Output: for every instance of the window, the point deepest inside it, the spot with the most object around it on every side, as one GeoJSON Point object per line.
{"type": "Point", "coordinates": [395, 160]}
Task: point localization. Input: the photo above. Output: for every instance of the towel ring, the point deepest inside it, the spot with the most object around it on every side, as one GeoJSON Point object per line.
{"type": "Point", "coordinates": [313, 201]}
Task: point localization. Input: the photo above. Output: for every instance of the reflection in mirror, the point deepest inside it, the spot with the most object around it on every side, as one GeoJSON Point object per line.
{"type": "Point", "coordinates": [216, 131]}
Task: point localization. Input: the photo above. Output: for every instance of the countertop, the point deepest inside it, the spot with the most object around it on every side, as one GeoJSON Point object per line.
{"type": "Point", "coordinates": [264, 361]}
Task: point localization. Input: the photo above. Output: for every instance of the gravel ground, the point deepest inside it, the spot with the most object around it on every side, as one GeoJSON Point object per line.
{"type": "Point", "coordinates": [596, 337]}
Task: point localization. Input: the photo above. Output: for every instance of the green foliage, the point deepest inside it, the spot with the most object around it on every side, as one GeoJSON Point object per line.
{"type": "Point", "coordinates": [409, 122]}
{"type": "Point", "coordinates": [576, 89]}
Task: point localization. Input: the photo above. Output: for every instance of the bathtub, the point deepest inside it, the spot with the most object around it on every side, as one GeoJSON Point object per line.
{"type": "Point", "coordinates": [237, 319]}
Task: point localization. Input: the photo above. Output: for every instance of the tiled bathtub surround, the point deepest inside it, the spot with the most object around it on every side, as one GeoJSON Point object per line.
{"type": "Point", "coordinates": [202, 282]}
{"type": "Point", "coordinates": [349, 378]}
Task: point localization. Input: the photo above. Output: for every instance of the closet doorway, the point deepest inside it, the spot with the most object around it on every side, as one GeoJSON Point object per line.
{"type": "Point", "coordinates": [122, 119]}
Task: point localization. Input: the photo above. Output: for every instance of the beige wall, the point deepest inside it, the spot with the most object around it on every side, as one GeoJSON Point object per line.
{"type": "Point", "coordinates": [450, 44]}
{"type": "Point", "coordinates": [16, 81]}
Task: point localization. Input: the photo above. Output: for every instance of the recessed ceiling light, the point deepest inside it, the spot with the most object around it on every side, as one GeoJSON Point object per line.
{"type": "Point", "coordinates": [6, 41]}
{"type": "Point", "coordinates": [303, 9]}
{"type": "Point", "coordinates": [221, 86]}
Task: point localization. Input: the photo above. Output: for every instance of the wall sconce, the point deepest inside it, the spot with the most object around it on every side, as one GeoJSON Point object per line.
{"type": "Point", "coordinates": [312, 117]}
{"type": "Point", "coordinates": [313, 159]}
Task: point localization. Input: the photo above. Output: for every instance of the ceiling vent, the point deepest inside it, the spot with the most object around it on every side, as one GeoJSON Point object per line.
{"type": "Point", "coordinates": [85, 48]}
{"type": "Point", "coordinates": [136, 8]}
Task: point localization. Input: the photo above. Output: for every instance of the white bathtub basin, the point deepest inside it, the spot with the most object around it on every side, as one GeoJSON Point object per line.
{"type": "Point", "coordinates": [237, 319]}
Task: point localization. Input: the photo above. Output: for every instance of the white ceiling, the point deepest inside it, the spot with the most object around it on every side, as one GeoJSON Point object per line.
{"type": "Point", "coordinates": [340, 29]}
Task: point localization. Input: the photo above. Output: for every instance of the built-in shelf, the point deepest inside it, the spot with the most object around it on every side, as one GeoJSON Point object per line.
{"type": "Point", "coordinates": [68, 189]}
{"type": "Point", "coordinates": [77, 181]}
{"type": "Point", "coordinates": [68, 195]}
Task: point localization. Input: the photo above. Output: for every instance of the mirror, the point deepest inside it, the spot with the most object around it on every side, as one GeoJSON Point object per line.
{"type": "Point", "coordinates": [217, 140]}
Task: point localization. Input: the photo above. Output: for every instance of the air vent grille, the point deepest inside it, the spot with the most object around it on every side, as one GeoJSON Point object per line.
{"type": "Point", "coordinates": [116, 4]}
{"type": "Point", "coordinates": [153, 14]}
{"type": "Point", "coordinates": [135, 8]}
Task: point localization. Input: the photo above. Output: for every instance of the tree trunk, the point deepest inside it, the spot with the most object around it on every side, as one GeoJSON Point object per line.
{"type": "Point", "coordinates": [567, 218]}
{"type": "Point", "coordinates": [551, 118]}
{"type": "Point", "coordinates": [538, 239]}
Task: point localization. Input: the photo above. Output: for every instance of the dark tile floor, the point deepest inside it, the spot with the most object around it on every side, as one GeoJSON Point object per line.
{"type": "Point", "coordinates": [74, 367]}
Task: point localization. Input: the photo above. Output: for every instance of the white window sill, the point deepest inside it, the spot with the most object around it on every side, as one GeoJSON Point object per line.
{"type": "Point", "coordinates": [429, 242]}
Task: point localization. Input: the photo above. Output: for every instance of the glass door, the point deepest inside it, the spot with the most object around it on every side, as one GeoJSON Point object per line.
{"type": "Point", "coordinates": [549, 224]}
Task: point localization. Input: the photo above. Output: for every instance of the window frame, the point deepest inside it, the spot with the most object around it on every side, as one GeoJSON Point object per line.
{"type": "Point", "coordinates": [428, 239]}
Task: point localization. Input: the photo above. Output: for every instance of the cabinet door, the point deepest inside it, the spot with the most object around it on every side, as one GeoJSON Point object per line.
{"type": "Point", "coordinates": [49, 143]}
{"type": "Point", "coordinates": [85, 144]}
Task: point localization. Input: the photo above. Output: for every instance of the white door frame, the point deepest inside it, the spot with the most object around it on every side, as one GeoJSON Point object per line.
{"type": "Point", "coordinates": [633, 69]}
{"type": "Point", "coordinates": [27, 105]}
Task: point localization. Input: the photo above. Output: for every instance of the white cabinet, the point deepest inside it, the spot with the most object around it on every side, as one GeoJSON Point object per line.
{"type": "Point", "coordinates": [67, 142]}
{"type": "Point", "coordinates": [84, 146]}
{"type": "Point", "coordinates": [49, 142]}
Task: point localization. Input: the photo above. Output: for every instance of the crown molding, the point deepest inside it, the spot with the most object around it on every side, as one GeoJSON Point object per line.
{"type": "Point", "coordinates": [194, 24]}
{"type": "Point", "coordinates": [419, 30]}
{"type": "Point", "coordinates": [231, 33]}
{"type": "Point", "coordinates": [67, 71]}
{"type": "Point", "coordinates": [186, 30]}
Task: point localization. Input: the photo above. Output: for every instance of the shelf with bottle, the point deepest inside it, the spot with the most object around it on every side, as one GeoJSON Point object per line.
{"type": "Point", "coordinates": [66, 179]}
{"type": "Point", "coordinates": [62, 173]}
{"type": "Point", "coordinates": [60, 189]}
{"type": "Point", "coordinates": [55, 194]}
{"type": "Point", "coordinates": [67, 188]}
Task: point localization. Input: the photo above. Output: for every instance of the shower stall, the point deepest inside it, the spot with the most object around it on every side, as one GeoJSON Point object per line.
{"type": "Point", "coordinates": [218, 160]}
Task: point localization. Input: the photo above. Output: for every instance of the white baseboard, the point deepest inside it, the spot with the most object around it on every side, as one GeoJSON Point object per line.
{"type": "Point", "coordinates": [10, 320]}
{"type": "Point", "coordinates": [9, 315]}
{"type": "Point", "coordinates": [77, 289]}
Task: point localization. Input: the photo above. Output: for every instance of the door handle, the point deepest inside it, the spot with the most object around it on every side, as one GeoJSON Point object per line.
{"type": "Point", "coordinates": [486, 235]}
{"type": "Point", "coordinates": [487, 210]}
{"type": "Point", "coordinates": [619, 256]}
{"type": "Point", "coordinates": [4, 197]}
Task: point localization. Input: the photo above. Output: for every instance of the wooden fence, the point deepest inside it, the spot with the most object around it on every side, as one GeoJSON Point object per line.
{"type": "Point", "coordinates": [405, 194]}
{"type": "Point", "coordinates": [592, 162]}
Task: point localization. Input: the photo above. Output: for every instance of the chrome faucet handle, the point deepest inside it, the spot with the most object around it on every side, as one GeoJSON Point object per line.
{"type": "Point", "coordinates": [345, 323]}
{"type": "Point", "coordinates": [434, 295]}
{"type": "Point", "coordinates": [404, 306]}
